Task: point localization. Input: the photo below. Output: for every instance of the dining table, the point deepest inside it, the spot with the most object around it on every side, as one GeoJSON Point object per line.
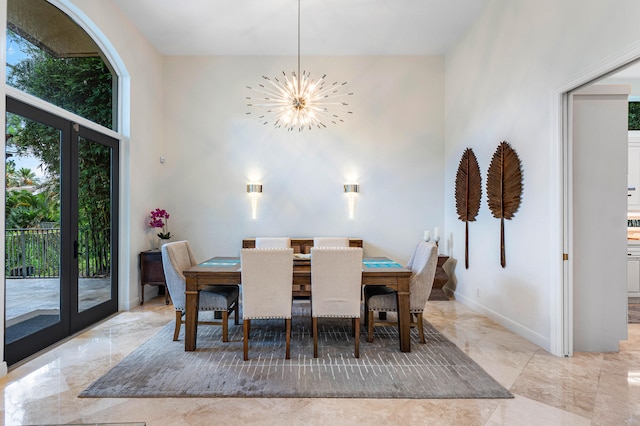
{"type": "Point", "coordinates": [227, 271]}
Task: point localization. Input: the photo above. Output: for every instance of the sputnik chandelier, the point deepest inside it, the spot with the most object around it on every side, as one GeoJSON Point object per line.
{"type": "Point", "coordinates": [298, 101]}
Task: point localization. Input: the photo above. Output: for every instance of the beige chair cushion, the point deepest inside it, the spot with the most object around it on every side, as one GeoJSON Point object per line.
{"type": "Point", "coordinates": [267, 276]}
{"type": "Point", "coordinates": [273, 242]}
{"type": "Point", "coordinates": [423, 265]}
{"type": "Point", "coordinates": [331, 242]}
{"type": "Point", "coordinates": [177, 257]}
{"type": "Point", "coordinates": [336, 279]}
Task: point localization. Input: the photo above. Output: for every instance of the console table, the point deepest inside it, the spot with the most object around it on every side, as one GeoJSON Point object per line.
{"type": "Point", "coordinates": [440, 280]}
{"type": "Point", "coordinates": [152, 272]}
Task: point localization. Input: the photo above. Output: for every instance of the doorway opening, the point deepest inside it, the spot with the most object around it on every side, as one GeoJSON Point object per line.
{"type": "Point", "coordinates": [620, 70]}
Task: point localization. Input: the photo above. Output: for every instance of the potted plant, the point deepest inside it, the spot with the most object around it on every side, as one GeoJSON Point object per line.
{"type": "Point", "coordinates": [159, 218]}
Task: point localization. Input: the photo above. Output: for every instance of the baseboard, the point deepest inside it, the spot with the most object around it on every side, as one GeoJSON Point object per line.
{"type": "Point", "coordinates": [3, 369]}
{"type": "Point", "coordinates": [507, 323]}
{"type": "Point", "coordinates": [127, 305]}
{"type": "Point", "coordinates": [149, 293]}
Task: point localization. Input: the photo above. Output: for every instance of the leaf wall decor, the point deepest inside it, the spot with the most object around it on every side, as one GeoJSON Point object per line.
{"type": "Point", "coordinates": [504, 188]}
{"type": "Point", "coordinates": [468, 194]}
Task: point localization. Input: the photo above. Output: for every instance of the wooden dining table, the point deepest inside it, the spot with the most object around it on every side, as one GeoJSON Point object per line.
{"type": "Point", "coordinates": [226, 271]}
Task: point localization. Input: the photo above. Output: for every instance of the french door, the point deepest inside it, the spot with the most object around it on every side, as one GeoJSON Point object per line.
{"type": "Point", "coordinates": [61, 272]}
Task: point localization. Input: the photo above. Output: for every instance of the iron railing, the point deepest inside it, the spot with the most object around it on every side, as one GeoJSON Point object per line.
{"type": "Point", "coordinates": [35, 253]}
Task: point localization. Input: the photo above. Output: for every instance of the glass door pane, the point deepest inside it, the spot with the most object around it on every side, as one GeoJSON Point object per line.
{"type": "Point", "coordinates": [94, 224]}
{"type": "Point", "coordinates": [32, 227]}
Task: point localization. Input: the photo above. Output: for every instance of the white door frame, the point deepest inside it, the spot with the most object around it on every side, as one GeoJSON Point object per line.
{"type": "Point", "coordinates": [561, 333]}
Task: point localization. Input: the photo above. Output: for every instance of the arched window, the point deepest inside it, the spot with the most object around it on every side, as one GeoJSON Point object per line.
{"type": "Point", "coordinates": [51, 57]}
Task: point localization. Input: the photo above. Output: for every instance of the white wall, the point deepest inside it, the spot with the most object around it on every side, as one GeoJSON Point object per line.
{"type": "Point", "coordinates": [501, 83]}
{"type": "Point", "coordinates": [392, 146]}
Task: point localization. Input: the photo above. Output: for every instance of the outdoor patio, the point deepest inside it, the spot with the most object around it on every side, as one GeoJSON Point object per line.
{"type": "Point", "coordinates": [29, 297]}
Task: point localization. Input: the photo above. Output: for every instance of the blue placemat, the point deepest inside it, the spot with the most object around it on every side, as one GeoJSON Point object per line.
{"type": "Point", "coordinates": [220, 262]}
{"type": "Point", "coordinates": [381, 264]}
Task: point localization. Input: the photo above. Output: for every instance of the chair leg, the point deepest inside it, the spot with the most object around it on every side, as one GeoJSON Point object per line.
{"type": "Point", "coordinates": [370, 326]}
{"type": "Point", "coordinates": [366, 312]}
{"type": "Point", "coordinates": [236, 313]}
{"type": "Point", "coordinates": [178, 323]}
{"type": "Point", "coordinates": [420, 328]}
{"type": "Point", "coordinates": [288, 344]}
{"type": "Point", "coordinates": [314, 324]}
{"type": "Point", "coordinates": [357, 338]}
{"type": "Point", "coordinates": [247, 323]}
{"type": "Point", "coordinates": [353, 327]}
{"type": "Point", "coordinates": [225, 326]}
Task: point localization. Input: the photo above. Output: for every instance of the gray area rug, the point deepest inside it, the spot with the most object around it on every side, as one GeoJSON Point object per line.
{"type": "Point", "coordinates": [161, 367]}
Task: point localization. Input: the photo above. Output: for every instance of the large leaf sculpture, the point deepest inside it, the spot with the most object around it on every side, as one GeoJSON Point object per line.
{"type": "Point", "coordinates": [504, 188]}
{"type": "Point", "coordinates": [468, 194]}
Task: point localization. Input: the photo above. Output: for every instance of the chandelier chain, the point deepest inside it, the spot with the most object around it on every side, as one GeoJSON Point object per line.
{"type": "Point", "coordinates": [298, 46]}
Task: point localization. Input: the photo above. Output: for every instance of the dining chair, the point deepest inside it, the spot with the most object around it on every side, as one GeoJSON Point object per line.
{"type": "Point", "coordinates": [267, 293]}
{"type": "Point", "coordinates": [273, 242]}
{"type": "Point", "coordinates": [178, 257]}
{"type": "Point", "coordinates": [423, 264]}
{"type": "Point", "coordinates": [336, 280]}
{"type": "Point", "coordinates": [331, 242]}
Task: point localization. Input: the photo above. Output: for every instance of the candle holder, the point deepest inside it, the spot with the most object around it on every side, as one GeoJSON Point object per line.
{"type": "Point", "coordinates": [436, 239]}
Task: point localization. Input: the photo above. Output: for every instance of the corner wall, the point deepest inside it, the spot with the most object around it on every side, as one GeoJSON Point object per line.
{"type": "Point", "coordinates": [500, 84]}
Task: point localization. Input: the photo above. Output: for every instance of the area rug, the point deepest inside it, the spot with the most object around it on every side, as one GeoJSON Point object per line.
{"type": "Point", "coordinates": [161, 367]}
{"type": "Point", "coordinates": [23, 328]}
{"type": "Point", "coordinates": [634, 313]}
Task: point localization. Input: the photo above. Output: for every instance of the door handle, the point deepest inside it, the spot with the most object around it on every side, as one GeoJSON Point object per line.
{"type": "Point", "coordinates": [75, 249]}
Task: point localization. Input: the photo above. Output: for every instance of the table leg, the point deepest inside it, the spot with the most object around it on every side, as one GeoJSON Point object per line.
{"type": "Point", "coordinates": [191, 319]}
{"type": "Point", "coordinates": [404, 316]}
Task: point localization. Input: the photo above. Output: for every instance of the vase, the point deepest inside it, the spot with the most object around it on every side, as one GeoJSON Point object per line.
{"type": "Point", "coordinates": [159, 242]}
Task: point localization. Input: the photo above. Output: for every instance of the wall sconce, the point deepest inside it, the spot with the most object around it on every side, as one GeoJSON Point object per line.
{"type": "Point", "coordinates": [351, 189]}
{"type": "Point", "coordinates": [254, 190]}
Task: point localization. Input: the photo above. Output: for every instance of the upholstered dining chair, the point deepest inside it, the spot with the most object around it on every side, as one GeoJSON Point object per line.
{"type": "Point", "coordinates": [336, 280]}
{"type": "Point", "coordinates": [423, 264]}
{"type": "Point", "coordinates": [273, 242]}
{"type": "Point", "coordinates": [267, 276]}
{"type": "Point", "coordinates": [177, 257]}
{"type": "Point", "coordinates": [331, 242]}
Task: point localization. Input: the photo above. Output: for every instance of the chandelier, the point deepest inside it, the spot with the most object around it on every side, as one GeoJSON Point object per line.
{"type": "Point", "coordinates": [299, 101]}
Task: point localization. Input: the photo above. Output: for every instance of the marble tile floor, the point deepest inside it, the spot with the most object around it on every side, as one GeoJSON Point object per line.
{"type": "Point", "coordinates": [587, 389]}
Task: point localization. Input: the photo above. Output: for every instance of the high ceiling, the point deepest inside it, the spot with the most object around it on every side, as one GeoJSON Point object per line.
{"type": "Point", "coordinates": [328, 27]}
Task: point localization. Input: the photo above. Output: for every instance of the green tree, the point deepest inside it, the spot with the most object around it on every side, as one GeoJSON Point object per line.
{"type": "Point", "coordinates": [24, 209]}
{"type": "Point", "coordinates": [81, 85]}
{"type": "Point", "coordinates": [634, 115]}
{"type": "Point", "coordinates": [10, 177]}
{"type": "Point", "coordinates": [26, 177]}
